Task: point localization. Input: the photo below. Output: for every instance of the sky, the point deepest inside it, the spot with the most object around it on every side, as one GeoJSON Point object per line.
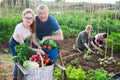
{"type": "Point", "coordinates": [93, 1]}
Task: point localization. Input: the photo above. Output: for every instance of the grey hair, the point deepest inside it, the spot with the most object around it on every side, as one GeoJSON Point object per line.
{"type": "Point", "coordinates": [42, 6]}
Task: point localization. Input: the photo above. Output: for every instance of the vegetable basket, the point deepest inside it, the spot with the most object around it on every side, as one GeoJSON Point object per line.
{"type": "Point", "coordinates": [50, 47]}
{"type": "Point", "coordinates": [53, 53]}
{"type": "Point", "coordinates": [40, 73]}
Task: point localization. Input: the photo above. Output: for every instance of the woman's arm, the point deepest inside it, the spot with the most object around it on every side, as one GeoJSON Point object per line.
{"type": "Point", "coordinates": [39, 50]}
{"type": "Point", "coordinates": [94, 45]}
{"type": "Point", "coordinates": [85, 44]}
{"type": "Point", "coordinates": [35, 41]}
{"type": "Point", "coordinates": [20, 38]}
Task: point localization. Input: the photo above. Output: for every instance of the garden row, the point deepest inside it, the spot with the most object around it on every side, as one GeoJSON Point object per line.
{"type": "Point", "coordinates": [72, 24]}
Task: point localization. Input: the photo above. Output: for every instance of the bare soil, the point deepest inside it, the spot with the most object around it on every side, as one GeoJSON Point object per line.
{"type": "Point", "coordinates": [69, 53]}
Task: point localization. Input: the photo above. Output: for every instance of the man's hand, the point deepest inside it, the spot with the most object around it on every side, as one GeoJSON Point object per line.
{"type": "Point", "coordinates": [40, 51]}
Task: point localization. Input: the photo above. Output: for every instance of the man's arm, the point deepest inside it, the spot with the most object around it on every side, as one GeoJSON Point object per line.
{"type": "Point", "coordinates": [58, 35]}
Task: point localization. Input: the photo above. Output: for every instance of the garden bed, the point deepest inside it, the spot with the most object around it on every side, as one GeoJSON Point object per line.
{"type": "Point", "coordinates": [67, 49]}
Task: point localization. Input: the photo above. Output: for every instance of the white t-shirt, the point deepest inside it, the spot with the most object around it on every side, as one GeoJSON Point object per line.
{"type": "Point", "coordinates": [21, 30]}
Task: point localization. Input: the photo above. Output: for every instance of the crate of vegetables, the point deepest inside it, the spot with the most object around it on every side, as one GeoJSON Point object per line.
{"type": "Point", "coordinates": [51, 48]}
{"type": "Point", "coordinates": [39, 67]}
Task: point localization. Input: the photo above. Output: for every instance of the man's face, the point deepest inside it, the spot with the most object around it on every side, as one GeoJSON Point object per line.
{"type": "Point", "coordinates": [43, 14]}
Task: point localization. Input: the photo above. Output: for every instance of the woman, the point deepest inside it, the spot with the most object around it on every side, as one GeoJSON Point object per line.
{"type": "Point", "coordinates": [83, 40]}
{"type": "Point", "coordinates": [22, 31]}
{"type": "Point", "coordinates": [100, 39]}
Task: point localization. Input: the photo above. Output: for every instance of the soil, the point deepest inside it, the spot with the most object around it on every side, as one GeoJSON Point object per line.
{"type": "Point", "coordinates": [69, 53]}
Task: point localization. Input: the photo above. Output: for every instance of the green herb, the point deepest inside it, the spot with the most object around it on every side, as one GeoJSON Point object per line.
{"type": "Point", "coordinates": [24, 52]}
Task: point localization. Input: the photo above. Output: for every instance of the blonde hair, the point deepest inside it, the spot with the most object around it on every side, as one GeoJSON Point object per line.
{"type": "Point", "coordinates": [88, 27]}
{"type": "Point", "coordinates": [33, 25]}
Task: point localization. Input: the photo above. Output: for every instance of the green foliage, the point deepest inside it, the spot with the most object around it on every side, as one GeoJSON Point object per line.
{"type": "Point", "coordinates": [114, 40]}
{"type": "Point", "coordinates": [79, 74]}
{"type": "Point", "coordinates": [97, 74]}
{"type": "Point", "coordinates": [7, 25]}
{"type": "Point", "coordinates": [57, 73]}
{"type": "Point", "coordinates": [24, 52]}
{"type": "Point", "coordinates": [69, 32]}
{"type": "Point", "coordinates": [87, 54]}
{"type": "Point", "coordinates": [49, 42]}
{"type": "Point", "coordinates": [71, 25]}
{"type": "Point", "coordinates": [75, 73]}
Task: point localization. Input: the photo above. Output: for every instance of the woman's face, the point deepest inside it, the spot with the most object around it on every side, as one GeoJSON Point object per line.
{"type": "Point", "coordinates": [28, 19]}
{"type": "Point", "coordinates": [43, 14]}
{"type": "Point", "coordinates": [88, 31]}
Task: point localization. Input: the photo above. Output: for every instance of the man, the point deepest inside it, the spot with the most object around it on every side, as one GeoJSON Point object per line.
{"type": "Point", "coordinates": [47, 24]}
{"type": "Point", "coordinates": [83, 40]}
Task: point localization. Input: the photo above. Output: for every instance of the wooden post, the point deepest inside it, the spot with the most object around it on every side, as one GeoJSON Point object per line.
{"type": "Point", "coordinates": [112, 48]}
{"type": "Point", "coordinates": [91, 12]}
{"type": "Point", "coordinates": [107, 34]}
{"type": "Point", "coordinates": [99, 20]}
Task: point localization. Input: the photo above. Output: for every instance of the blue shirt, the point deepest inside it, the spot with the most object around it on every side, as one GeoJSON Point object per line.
{"type": "Point", "coordinates": [46, 29]}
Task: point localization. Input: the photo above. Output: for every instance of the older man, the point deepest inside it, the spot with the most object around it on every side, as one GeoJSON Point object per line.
{"type": "Point", "coordinates": [46, 24]}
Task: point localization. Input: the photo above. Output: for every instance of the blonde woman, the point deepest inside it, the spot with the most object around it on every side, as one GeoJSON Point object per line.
{"type": "Point", "coordinates": [22, 31]}
{"type": "Point", "coordinates": [83, 40]}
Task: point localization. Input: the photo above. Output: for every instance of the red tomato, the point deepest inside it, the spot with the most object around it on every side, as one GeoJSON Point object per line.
{"type": "Point", "coordinates": [47, 60]}
{"type": "Point", "coordinates": [44, 46]}
{"type": "Point", "coordinates": [46, 55]}
{"type": "Point", "coordinates": [49, 47]}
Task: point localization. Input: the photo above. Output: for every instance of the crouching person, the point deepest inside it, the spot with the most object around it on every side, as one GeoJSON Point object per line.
{"type": "Point", "coordinates": [84, 41]}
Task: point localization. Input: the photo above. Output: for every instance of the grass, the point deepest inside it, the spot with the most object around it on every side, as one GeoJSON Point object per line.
{"type": "Point", "coordinates": [6, 67]}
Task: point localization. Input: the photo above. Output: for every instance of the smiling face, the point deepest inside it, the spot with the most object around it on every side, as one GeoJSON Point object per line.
{"type": "Point", "coordinates": [43, 13]}
{"type": "Point", "coordinates": [28, 19]}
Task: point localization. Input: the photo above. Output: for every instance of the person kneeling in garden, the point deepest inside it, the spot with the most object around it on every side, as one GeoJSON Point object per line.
{"type": "Point", "coordinates": [84, 41]}
{"type": "Point", "coordinates": [100, 39]}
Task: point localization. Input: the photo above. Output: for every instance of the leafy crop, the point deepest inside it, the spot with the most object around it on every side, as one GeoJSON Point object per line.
{"type": "Point", "coordinates": [75, 73]}
{"type": "Point", "coordinates": [97, 74]}
{"type": "Point", "coordinates": [24, 52]}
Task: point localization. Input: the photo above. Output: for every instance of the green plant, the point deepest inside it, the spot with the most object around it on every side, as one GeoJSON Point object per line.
{"type": "Point", "coordinates": [24, 52]}
{"type": "Point", "coordinates": [75, 73]}
{"type": "Point", "coordinates": [113, 39]}
{"type": "Point", "coordinates": [87, 54]}
{"type": "Point", "coordinates": [106, 60]}
{"type": "Point", "coordinates": [97, 74]}
{"type": "Point", "coordinates": [57, 73]}
{"type": "Point", "coordinates": [100, 52]}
